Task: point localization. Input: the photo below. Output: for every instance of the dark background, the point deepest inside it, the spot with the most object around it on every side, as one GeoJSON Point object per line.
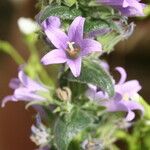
{"type": "Point", "coordinates": [15, 122]}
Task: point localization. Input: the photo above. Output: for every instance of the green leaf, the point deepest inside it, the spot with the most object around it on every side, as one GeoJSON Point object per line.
{"type": "Point", "coordinates": [70, 2]}
{"type": "Point", "coordinates": [61, 11]}
{"type": "Point", "coordinates": [67, 128]}
{"type": "Point", "coordinates": [109, 40]}
{"type": "Point", "coordinates": [93, 73]}
{"type": "Point", "coordinates": [95, 25]}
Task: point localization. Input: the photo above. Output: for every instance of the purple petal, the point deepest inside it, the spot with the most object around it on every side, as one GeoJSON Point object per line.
{"type": "Point", "coordinates": [130, 88]}
{"type": "Point", "coordinates": [40, 110]}
{"type": "Point", "coordinates": [105, 65]}
{"type": "Point", "coordinates": [51, 22]}
{"type": "Point", "coordinates": [113, 106]}
{"type": "Point", "coordinates": [14, 83]}
{"type": "Point", "coordinates": [56, 56]}
{"type": "Point", "coordinates": [111, 2]}
{"type": "Point", "coordinates": [89, 46]}
{"type": "Point", "coordinates": [123, 74]}
{"type": "Point", "coordinates": [75, 66]}
{"type": "Point", "coordinates": [26, 95]}
{"type": "Point", "coordinates": [58, 38]}
{"type": "Point", "coordinates": [98, 32]}
{"type": "Point", "coordinates": [126, 7]}
{"type": "Point", "coordinates": [75, 32]}
{"type": "Point", "coordinates": [29, 83]}
{"type": "Point", "coordinates": [123, 105]}
{"type": "Point", "coordinates": [7, 99]}
{"type": "Point", "coordinates": [95, 95]}
{"type": "Point", "coordinates": [130, 116]}
{"type": "Point", "coordinates": [132, 105]}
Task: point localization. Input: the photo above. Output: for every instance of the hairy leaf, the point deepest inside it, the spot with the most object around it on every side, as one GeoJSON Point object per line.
{"type": "Point", "coordinates": [61, 11]}
{"type": "Point", "coordinates": [93, 73]}
{"type": "Point", "coordinates": [70, 2]}
{"type": "Point", "coordinates": [67, 128]}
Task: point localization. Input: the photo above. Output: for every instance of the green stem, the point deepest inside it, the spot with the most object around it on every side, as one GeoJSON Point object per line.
{"type": "Point", "coordinates": [10, 50]}
{"type": "Point", "coordinates": [42, 72]}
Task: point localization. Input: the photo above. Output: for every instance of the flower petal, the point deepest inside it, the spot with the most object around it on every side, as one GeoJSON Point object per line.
{"type": "Point", "coordinates": [130, 88]}
{"type": "Point", "coordinates": [122, 73]}
{"type": "Point", "coordinates": [56, 56]}
{"type": "Point", "coordinates": [132, 105]}
{"type": "Point", "coordinates": [58, 38]}
{"type": "Point", "coordinates": [26, 95]}
{"type": "Point", "coordinates": [7, 99]}
{"type": "Point", "coordinates": [39, 109]}
{"type": "Point", "coordinates": [51, 22]}
{"type": "Point", "coordinates": [88, 46]}
{"type": "Point", "coordinates": [113, 105]}
{"type": "Point", "coordinates": [130, 116]}
{"type": "Point", "coordinates": [75, 66]}
{"type": "Point", "coordinates": [75, 32]}
{"type": "Point", "coordinates": [29, 83]}
{"type": "Point", "coordinates": [14, 83]}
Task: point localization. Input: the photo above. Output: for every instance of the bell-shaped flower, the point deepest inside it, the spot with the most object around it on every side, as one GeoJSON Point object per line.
{"type": "Point", "coordinates": [51, 22]}
{"type": "Point", "coordinates": [25, 89]}
{"type": "Point", "coordinates": [126, 7]}
{"type": "Point", "coordinates": [123, 100]}
{"type": "Point", "coordinates": [70, 48]}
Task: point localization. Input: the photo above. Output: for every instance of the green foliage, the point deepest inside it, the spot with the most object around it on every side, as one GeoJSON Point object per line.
{"type": "Point", "coordinates": [67, 127]}
{"type": "Point", "coordinates": [70, 2]}
{"type": "Point", "coordinates": [109, 40]}
{"type": "Point", "coordinates": [63, 12]}
{"type": "Point", "coordinates": [77, 119]}
{"type": "Point", "coordinates": [95, 25]}
{"type": "Point", "coordinates": [146, 107]}
{"type": "Point", "coordinates": [10, 50]}
{"type": "Point", "coordinates": [94, 74]}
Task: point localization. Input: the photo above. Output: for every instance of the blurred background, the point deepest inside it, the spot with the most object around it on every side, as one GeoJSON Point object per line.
{"type": "Point", "coordinates": [15, 122]}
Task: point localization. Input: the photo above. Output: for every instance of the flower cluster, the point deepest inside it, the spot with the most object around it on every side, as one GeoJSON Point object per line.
{"type": "Point", "coordinates": [69, 48]}
{"type": "Point", "coordinates": [123, 100]}
{"type": "Point", "coordinates": [25, 89]}
{"type": "Point", "coordinates": [84, 94]}
{"type": "Point", "coordinates": [126, 7]}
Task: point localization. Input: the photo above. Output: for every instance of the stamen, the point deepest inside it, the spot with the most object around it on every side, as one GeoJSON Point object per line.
{"type": "Point", "coordinates": [73, 50]}
{"type": "Point", "coordinates": [70, 45]}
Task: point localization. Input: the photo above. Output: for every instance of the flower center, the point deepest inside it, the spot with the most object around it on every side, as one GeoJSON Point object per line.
{"type": "Point", "coordinates": [126, 97]}
{"type": "Point", "coordinates": [73, 50]}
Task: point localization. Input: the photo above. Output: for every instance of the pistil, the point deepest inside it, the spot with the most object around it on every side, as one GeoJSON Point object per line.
{"type": "Point", "coordinates": [73, 50]}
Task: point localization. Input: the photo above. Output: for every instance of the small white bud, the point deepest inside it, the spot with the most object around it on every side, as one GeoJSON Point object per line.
{"type": "Point", "coordinates": [27, 25]}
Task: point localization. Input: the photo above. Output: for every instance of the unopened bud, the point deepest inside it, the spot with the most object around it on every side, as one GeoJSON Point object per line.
{"type": "Point", "coordinates": [64, 93]}
{"type": "Point", "coordinates": [92, 145]}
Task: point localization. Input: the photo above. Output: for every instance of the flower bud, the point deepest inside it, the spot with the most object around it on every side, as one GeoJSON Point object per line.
{"type": "Point", "coordinates": [64, 93]}
{"type": "Point", "coordinates": [92, 145]}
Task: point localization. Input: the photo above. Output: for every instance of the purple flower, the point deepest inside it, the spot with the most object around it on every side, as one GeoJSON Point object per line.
{"type": "Point", "coordinates": [25, 89]}
{"type": "Point", "coordinates": [51, 22]}
{"type": "Point", "coordinates": [123, 99]}
{"type": "Point", "coordinates": [40, 134]}
{"type": "Point", "coordinates": [70, 48]}
{"type": "Point", "coordinates": [126, 7]}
